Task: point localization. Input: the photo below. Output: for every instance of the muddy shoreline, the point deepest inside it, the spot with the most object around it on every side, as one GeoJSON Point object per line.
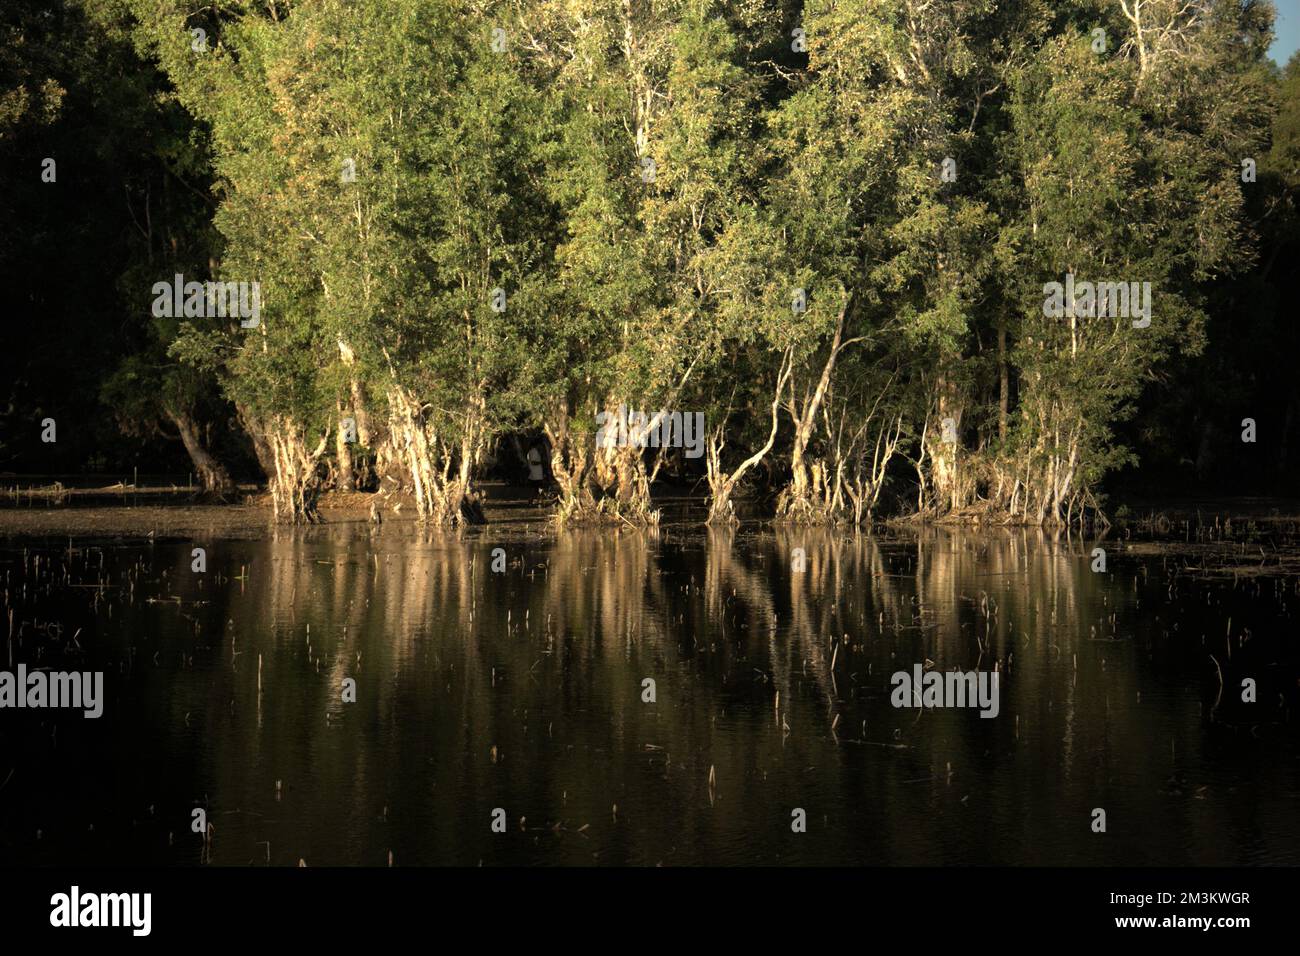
{"type": "Point", "coordinates": [156, 512]}
{"type": "Point", "coordinates": [176, 511]}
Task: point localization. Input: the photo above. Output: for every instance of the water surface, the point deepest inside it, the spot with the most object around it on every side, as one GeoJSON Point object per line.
{"type": "Point", "coordinates": [523, 690]}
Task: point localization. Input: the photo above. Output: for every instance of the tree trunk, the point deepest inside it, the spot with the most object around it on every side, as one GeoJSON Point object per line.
{"type": "Point", "coordinates": [346, 480]}
{"type": "Point", "coordinates": [723, 485]}
{"type": "Point", "coordinates": [294, 484]}
{"type": "Point", "coordinates": [796, 502]}
{"type": "Point", "coordinates": [440, 497]}
{"type": "Point", "coordinates": [211, 472]}
{"type": "Point", "coordinates": [261, 443]}
{"type": "Point", "coordinates": [1004, 381]}
{"type": "Point", "coordinates": [944, 455]}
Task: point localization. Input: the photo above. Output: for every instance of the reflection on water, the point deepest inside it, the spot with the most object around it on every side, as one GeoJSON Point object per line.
{"type": "Point", "coordinates": [523, 690]}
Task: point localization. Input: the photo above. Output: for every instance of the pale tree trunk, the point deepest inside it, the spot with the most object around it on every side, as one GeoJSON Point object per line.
{"type": "Point", "coordinates": [346, 478]}
{"type": "Point", "coordinates": [723, 485]}
{"type": "Point", "coordinates": [360, 411]}
{"type": "Point", "coordinates": [295, 485]}
{"type": "Point", "coordinates": [1004, 381]}
{"type": "Point", "coordinates": [619, 473]}
{"type": "Point", "coordinates": [864, 491]}
{"type": "Point", "coordinates": [619, 470]}
{"type": "Point", "coordinates": [440, 497]}
{"type": "Point", "coordinates": [602, 480]}
{"type": "Point", "coordinates": [570, 460]}
{"type": "Point", "coordinates": [944, 476]}
{"type": "Point", "coordinates": [797, 501]}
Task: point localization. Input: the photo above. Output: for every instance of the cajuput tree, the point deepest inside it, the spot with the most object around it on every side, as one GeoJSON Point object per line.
{"type": "Point", "coordinates": [879, 255]}
{"type": "Point", "coordinates": [468, 266]}
{"type": "Point", "coordinates": [241, 75]}
{"type": "Point", "coordinates": [1125, 159]}
{"type": "Point", "coordinates": [829, 227]}
{"type": "Point", "coordinates": [653, 111]}
{"type": "Point", "coordinates": [373, 170]}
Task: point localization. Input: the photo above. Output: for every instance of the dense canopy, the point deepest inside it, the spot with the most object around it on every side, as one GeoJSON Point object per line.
{"type": "Point", "coordinates": [830, 228]}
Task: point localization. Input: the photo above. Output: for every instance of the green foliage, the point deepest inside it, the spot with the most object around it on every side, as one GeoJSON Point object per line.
{"type": "Point", "coordinates": [649, 185]}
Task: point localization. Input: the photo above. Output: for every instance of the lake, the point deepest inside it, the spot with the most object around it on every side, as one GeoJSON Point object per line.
{"type": "Point", "coordinates": [518, 696]}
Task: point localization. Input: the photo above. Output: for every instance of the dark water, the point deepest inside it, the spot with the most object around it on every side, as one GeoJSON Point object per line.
{"type": "Point", "coordinates": [522, 690]}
